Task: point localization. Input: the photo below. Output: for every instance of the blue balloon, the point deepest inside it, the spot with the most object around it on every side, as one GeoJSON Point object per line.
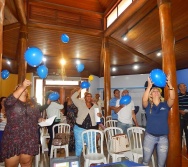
{"type": "Point", "coordinates": [5, 74]}
{"type": "Point", "coordinates": [158, 77]}
{"type": "Point", "coordinates": [85, 84]}
{"type": "Point", "coordinates": [125, 100]}
{"type": "Point", "coordinates": [64, 38]}
{"type": "Point", "coordinates": [54, 96]}
{"type": "Point", "coordinates": [80, 67]}
{"type": "Point", "coordinates": [33, 56]}
{"type": "Point", "coordinates": [42, 71]}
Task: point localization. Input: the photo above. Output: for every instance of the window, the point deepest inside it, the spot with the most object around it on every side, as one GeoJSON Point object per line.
{"type": "Point", "coordinates": [123, 5]}
{"type": "Point", "coordinates": [38, 92]}
{"type": "Point", "coordinates": [117, 11]}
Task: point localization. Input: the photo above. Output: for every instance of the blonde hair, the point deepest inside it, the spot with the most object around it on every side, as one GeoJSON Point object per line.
{"type": "Point", "coordinates": [151, 99]}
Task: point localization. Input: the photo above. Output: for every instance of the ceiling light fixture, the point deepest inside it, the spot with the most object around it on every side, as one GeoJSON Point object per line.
{"type": "Point", "coordinates": [63, 62]}
{"type": "Point", "coordinates": [135, 67]}
{"type": "Point", "coordinates": [159, 54]}
{"type": "Point", "coordinates": [124, 37]}
{"type": "Point", "coordinates": [114, 69]}
{"type": "Point", "coordinates": [77, 61]}
{"type": "Point", "coordinates": [8, 62]}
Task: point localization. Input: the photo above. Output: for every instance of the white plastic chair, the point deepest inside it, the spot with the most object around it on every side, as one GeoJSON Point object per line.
{"type": "Point", "coordinates": [136, 136]}
{"type": "Point", "coordinates": [90, 152]}
{"type": "Point", "coordinates": [116, 157]}
{"type": "Point", "coordinates": [62, 128]}
{"type": "Point", "coordinates": [109, 117]}
{"type": "Point", "coordinates": [111, 123]}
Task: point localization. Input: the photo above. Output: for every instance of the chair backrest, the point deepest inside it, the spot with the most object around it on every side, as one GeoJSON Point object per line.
{"type": "Point", "coordinates": [109, 132]}
{"type": "Point", "coordinates": [111, 123]}
{"type": "Point", "coordinates": [89, 141]}
{"type": "Point", "coordinates": [136, 136]}
{"type": "Point", "coordinates": [62, 128]}
{"type": "Point", "coordinates": [108, 117]}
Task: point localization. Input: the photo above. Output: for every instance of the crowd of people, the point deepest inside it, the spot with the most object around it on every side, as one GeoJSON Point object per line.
{"type": "Point", "coordinates": [20, 115]}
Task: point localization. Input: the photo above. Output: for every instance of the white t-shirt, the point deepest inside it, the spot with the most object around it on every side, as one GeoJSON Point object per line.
{"type": "Point", "coordinates": [54, 109]}
{"type": "Point", "coordinates": [125, 114]}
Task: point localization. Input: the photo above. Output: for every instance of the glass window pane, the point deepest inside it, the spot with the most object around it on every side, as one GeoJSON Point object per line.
{"type": "Point", "coordinates": [60, 82]}
{"type": "Point", "coordinates": [39, 92]}
{"type": "Point", "coordinates": [112, 17]}
{"type": "Point", "coordinates": [123, 5]}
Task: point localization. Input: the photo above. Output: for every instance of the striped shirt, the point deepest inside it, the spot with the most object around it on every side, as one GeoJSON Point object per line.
{"type": "Point", "coordinates": [183, 104]}
{"type": "Point", "coordinates": [3, 123]}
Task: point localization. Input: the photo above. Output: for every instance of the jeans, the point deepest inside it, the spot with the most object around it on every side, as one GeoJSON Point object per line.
{"type": "Point", "coordinates": [161, 143]}
{"type": "Point", "coordinates": [124, 126]}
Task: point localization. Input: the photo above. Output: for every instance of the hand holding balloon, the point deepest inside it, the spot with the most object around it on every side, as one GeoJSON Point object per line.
{"type": "Point", "coordinates": [158, 77]}
{"type": "Point", "coordinates": [149, 83]}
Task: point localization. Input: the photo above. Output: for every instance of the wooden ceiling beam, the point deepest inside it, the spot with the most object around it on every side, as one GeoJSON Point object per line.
{"type": "Point", "coordinates": [126, 15]}
{"type": "Point", "coordinates": [11, 27]}
{"type": "Point", "coordinates": [131, 50]}
{"type": "Point", "coordinates": [21, 12]}
{"type": "Point", "coordinates": [85, 31]}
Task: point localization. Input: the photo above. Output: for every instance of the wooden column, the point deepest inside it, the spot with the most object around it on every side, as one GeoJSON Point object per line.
{"type": "Point", "coordinates": [22, 42]}
{"type": "Point", "coordinates": [169, 67]}
{"type": "Point", "coordinates": [62, 95]}
{"type": "Point", "coordinates": [107, 83]}
{"type": "Point", "coordinates": [2, 5]}
{"type": "Point", "coordinates": [22, 46]}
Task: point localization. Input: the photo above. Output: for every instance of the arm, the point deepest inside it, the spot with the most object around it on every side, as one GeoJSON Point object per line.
{"type": "Point", "coordinates": [172, 96]}
{"type": "Point", "coordinates": [146, 94]}
{"type": "Point", "coordinates": [74, 98]}
{"type": "Point", "coordinates": [21, 88]}
{"type": "Point", "coordinates": [134, 118]}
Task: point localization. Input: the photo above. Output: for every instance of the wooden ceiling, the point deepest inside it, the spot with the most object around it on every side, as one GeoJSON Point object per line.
{"type": "Point", "coordinates": [83, 22]}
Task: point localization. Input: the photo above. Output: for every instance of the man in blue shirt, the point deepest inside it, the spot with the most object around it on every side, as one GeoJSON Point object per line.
{"type": "Point", "coordinates": [183, 108]}
{"type": "Point", "coordinates": [113, 104]}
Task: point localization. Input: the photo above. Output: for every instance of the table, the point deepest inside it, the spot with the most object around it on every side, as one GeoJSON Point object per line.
{"type": "Point", "coordinates": [121, 164]}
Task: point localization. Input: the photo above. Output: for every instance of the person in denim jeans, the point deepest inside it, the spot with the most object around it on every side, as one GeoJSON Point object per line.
{"type": "Point", "coordinates": [157, 122]}
{"type": "Point", "coordinates": [85, 118]}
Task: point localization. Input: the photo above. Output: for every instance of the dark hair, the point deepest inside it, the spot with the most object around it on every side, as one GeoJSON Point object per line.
{"type": "Point", "coordinates": [1, 99]}
{"type": "Point", "coordinates": [116, 90]}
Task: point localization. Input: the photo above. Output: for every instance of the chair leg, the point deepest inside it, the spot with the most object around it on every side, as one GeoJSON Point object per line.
{"type": "Point", "coordinates": [51, 152]}
{"type": "Point", "coordinates": [153, 161]}
{"type": "Point", "coordinates": [55, 152]}
{"type": "Point", "coordinates": [108, 158]}
{"type": "Point", "coordinates": [67, 150]}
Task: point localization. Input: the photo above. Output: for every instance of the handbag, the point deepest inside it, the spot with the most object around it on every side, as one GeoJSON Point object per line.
{"type": "Point", "coordinates": [119, 143]}
{"type": "Point", "coordinates": [61, 139]}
